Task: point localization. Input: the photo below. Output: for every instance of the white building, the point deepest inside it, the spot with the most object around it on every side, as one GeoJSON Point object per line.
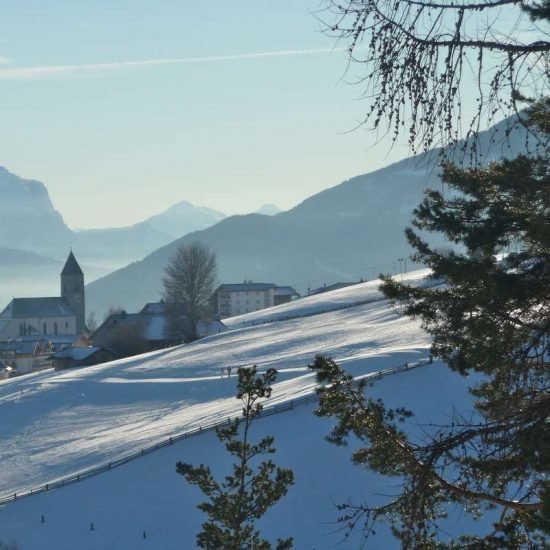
{"type": "Point", "coordinates": [236, 299]}
{"type": "Point", "coordinates": [50, 316]}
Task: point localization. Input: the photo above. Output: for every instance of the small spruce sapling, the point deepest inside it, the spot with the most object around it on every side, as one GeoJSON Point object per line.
{"type": "Point", "coordinates": [235, 503]}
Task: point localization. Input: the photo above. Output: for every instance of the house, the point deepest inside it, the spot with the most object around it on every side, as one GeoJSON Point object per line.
{"type": "Point", "coordinates": [237, 299]}
{"type": "Point", "coordinates": [26, 354]}
{"type": "Point", "coordinates": [131, 333]}
{"type": "Point", "coordinates": [80, 357]}
{"type": "Point", "coordinates": [49, 316]}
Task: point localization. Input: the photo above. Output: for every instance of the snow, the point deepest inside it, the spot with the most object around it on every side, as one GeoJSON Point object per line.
{"type": "Point", "coordinates": [350, 296]}
{"type": "Point", "coordinates": [59, 423]}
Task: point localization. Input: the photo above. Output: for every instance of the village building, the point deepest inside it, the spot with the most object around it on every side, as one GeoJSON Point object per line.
{"type": "Point", "coordinates": [51, 316]}
{"type": "Point", "coordinates": [31, 329]}
{"type": "Point", "coordinates": [80, 357]}
{"type": "Point", "coordinates": [236, 299]}
{"type": "Point", "coordinates": [131, 333]}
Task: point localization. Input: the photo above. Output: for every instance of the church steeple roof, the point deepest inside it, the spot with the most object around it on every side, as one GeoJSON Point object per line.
{"type": "Point", "coordinates": [71, 266]}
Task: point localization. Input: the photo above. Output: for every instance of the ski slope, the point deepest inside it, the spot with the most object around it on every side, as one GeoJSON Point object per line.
{"type": "Point", "coordinates": [59, 423]}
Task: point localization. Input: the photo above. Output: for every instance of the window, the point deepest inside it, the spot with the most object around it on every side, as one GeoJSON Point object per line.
{"type": "Point", "coordinates": [44, 331]}
{"type": "Point", "coordinates": [66, 324]}
{"type": "Point", "coordinates": [55, 328]}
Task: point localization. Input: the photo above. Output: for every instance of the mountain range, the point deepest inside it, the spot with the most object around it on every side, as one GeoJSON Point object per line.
{"type": "Point", "coordinates": [118, 246]}
{"type": "Point", "coordinates": [34, 239]}
{"type": "Point", "coordinates": [351, 231]}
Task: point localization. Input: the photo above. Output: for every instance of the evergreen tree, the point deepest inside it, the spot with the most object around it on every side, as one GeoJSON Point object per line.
{"type": "Point", "coordinates": [489, 315]}
{"type": "Point", "coordinates": [243, 497]}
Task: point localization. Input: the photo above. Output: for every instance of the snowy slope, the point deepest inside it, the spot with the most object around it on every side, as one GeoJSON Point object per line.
{"type": "Point", "coordinates": [351, 296]}
{"type": "Point", "coordinates": [59, 423]}
{"type": "Point", "coordinates": [147, 495]}
{"type": "Point", "coordinates": [62, 422]}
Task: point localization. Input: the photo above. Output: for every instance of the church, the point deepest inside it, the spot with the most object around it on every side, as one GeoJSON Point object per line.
{"type": "Point", "coordinates": [55, 316]}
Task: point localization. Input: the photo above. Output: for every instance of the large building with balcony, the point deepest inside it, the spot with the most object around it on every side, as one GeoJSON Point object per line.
{"type": "Point", "coordinates": [237, 299]}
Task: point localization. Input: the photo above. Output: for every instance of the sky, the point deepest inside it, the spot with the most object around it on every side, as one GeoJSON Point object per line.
{"type": "Point", "coordinates": [125, 107]}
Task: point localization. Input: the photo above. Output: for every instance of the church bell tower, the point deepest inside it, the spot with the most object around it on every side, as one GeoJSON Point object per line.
{"type": "Point", "coordinates": [72, 289]}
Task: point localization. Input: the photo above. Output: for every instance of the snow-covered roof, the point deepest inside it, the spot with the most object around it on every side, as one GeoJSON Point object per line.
{"type": "Point", "coordinates": [244, 287]}
{"type": "Point", "coordinates": [285, 290]}
{"type": "Point", "coordinates": [78, 353]}
{"type": "Point", "coordinates": [20, 308]}
{"type": "Point", "coordinates": [19, 348]}
{"type": "Point", "coordinates": [154, 325]}
{"type": "Point", "coordinates": [155, 307]}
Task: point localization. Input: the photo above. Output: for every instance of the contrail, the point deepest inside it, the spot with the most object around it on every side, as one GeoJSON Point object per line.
{"type": "Point", "coordinates": [54, 70]}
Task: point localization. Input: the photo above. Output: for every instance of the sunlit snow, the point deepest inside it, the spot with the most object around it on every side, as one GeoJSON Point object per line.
{"type": "Point", "coordinates": [58, 423]}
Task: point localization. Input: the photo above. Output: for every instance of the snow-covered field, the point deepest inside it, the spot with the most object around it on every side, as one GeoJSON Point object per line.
{"type": "Point", "coordinates": [56, 424]}
{"type": "Point", "coordinates": [329, 301]}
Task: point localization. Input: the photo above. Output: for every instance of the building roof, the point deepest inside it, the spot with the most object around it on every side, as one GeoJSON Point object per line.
{"type": "Point", "coordinates": [78, 354]}
{"type": "Point", "coordinates": [244, 287]}
{"type": "Point", "coordinates": [156, 307]}
{"type": "Point", "coordinates": [155, 325]}
{"type": "Point", "coordinates": [285, 290]}
{"type": "Point", "coordinates": [20, 348]}
{"type": "Point", "coordinates": [71, 266]}
{"type": "Point", "coordinates": [37, 307]}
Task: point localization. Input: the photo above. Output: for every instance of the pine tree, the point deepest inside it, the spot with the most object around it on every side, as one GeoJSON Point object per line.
{"type": "Point", "coordinates": [243, 497]}
{"type": "Point", "coordinates": [489, 315]}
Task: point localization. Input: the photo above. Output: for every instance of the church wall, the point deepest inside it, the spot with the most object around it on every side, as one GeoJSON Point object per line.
{"type": "Point", "coordinates": [65, 325]}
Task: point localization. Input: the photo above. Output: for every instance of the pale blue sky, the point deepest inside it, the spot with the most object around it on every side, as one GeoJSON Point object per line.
{"type": "Point", "coordinates": [117, 143]}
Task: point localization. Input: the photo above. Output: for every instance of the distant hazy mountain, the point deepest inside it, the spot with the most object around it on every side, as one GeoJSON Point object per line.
{"type": "Point", "coordinates": [269, 210]}
{"type": "Point", "coordinates": [115, 247]}
{"type": "Point", "coordinates": [118, 246]}
{"type": "Point", "coordinates": [29, 222]}
{"type": "Point", "coordinates": [350, 231]}
{"type": "Point", "coordinates": [28, 219]}
{"type": "Point", "coordinates": [184, 217]}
